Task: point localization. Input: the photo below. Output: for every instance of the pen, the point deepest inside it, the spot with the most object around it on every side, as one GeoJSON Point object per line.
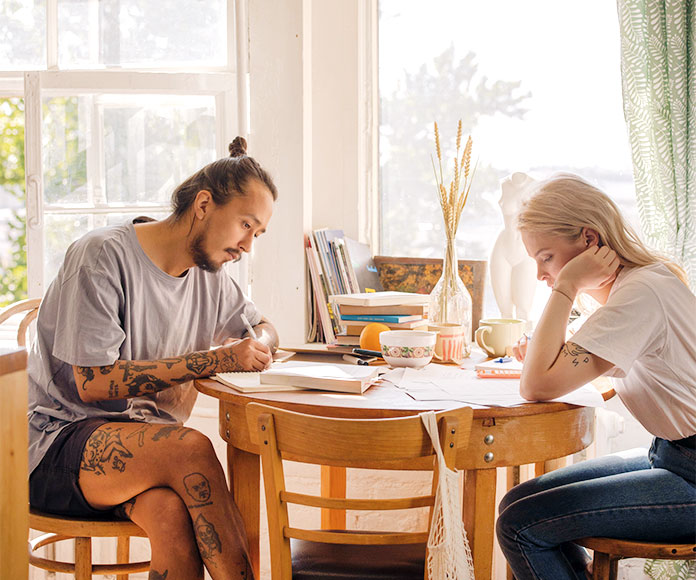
{"type": "Point", "coordinates": [354, 359]}
{"type": "Point", "coordinates": [250, 329]}
{"type": "Point", "coordinates": [366, 352]}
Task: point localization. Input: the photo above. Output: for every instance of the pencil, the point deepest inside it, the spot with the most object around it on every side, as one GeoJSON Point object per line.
{"type": "Point", "coordinates": [248, 326]}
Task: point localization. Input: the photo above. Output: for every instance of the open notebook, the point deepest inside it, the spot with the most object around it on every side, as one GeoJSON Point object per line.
{"type": "Point", "coordinates": [292, 375]}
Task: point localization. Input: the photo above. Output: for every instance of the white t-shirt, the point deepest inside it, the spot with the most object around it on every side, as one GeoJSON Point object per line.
{"type": "Point", "coordinates": [110, 302]}
{"type": "Point", "coordinates": [647, 329]}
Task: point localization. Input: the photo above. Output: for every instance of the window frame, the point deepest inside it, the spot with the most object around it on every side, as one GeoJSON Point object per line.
{"type": "Point", "coordinates": [228, 85]}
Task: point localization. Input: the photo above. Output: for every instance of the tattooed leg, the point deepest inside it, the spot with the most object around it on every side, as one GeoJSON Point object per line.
{"type": "Point", "coordinates": [174, 551]}
{"type": "Point", "coordinates": [122, 461]}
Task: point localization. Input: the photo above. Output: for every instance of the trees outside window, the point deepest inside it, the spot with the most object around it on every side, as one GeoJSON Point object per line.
{"type": "Point", "coordinates": [13, 253]}
{"type": "Point", "coordinates": [536, 84]}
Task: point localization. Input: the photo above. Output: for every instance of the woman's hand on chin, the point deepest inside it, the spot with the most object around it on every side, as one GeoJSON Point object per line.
{"type": "Point", "coordinates": [592, 269]}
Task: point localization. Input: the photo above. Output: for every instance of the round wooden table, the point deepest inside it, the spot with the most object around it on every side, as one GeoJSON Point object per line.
{"type": "Point", "coordinates": [501, 437]}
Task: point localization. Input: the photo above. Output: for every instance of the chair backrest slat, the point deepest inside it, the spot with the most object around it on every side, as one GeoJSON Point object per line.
{"type": "Point", "coordinates": [351, 442]}
{"type": "Point", "coordinates": [362, 539]}
{"type": "Point", "coordinates": [357, 504]}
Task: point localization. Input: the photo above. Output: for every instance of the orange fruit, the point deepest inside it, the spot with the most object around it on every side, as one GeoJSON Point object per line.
{"type": "Point", "coordinates": [369, 337]}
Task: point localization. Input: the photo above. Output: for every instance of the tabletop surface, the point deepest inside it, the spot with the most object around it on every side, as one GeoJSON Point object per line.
{"type": "Point", "coordinates": [382, 396]}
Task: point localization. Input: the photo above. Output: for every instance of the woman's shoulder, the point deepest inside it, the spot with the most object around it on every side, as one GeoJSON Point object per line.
{"type": "Point", "coordinates": [654, 280]}
{"type": "Point", "coordinates": [656, 273]}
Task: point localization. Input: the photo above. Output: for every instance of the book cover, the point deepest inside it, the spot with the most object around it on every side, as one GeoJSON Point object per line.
{"type": "Point", "coordinates": [366, 274]}
{"type": "Point", "coordinates": [395, 318]}
{"type": "Point", "coordinates": [501, 368]}
{"type": "Point", "coordinates": [346, 378]}
{"type": "Point", "coordinates": [354, 327]}
{"type": "Point", "coordinates": [351, 340]}
{"type": "Point", "coordinates": [251, 383]}
{"type": "Point", "coordinates": [389, 298]}
{"type": "Point", "coordinates": [351, 281]}
{"type": "Point", "coordinates": [404, 309]}
{"type": "Point", "coordinates": [326, 266]}
{"type": "Point", "coordinates": [320, 293]}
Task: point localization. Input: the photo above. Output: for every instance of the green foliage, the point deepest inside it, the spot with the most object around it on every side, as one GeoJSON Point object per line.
{"type": "Point", "coordinates": [13, 284]}
{"type": "Point", "coordinates": [670, 569]}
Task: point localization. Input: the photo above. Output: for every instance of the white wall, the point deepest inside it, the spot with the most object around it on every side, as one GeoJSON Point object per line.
{"type": "Point", "coordinates": [309, 66]}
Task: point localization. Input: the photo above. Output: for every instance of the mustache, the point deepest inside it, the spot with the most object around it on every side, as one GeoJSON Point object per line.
{"type": "Point", "coordinates": [236, 254]}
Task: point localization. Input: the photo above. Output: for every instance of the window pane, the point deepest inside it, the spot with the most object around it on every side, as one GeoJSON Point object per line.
{"type": "Point", "coordinates": [13, 257]}
{"type": "Point", "coordinates": [63, 229]}
{"type": "Point", "coordinates": [148, 33]}
{"type": "Point", "coordinates": [535, 91]}
{"type": "Point", "coordinates": [22, 34]}
{"type": "Point", "coordinates": [124, 149]}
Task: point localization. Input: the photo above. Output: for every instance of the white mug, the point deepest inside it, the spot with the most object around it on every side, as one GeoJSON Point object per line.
{"type": "Point", "coordinates": [496, 336]}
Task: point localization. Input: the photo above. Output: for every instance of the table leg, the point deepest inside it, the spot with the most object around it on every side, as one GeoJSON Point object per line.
{"type": "Point", "coordinates": [479, 517]}
{"type": "Point", "coordinates": [245, 477]}
{"type": "Point", "coordinates": [333, 484]}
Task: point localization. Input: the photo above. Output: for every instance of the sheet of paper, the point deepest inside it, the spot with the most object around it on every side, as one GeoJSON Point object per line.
{"type": "Point", "coordinates": [440, 383]}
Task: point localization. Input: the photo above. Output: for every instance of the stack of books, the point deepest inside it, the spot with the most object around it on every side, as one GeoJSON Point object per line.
{"type": "Point", "coordinates": [397, 310]}
{"type": "Point", "coordinates": [336, 265]}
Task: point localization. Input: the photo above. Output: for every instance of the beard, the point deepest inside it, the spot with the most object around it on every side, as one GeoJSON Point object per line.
{"type": "Point", "coordinates": [202, 259]}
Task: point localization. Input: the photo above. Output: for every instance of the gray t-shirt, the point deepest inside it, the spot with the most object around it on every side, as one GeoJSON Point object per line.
{"type": "Point", "coordinates": [109, 302]}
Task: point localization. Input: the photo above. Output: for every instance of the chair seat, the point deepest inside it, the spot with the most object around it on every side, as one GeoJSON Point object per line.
{"type": "Point", "coordinates": [78, 527]}
{"type": "Point", "coordinates": [634, 549]}
{"type": "Point", "coordinates": [57, 528]}
{"type": "Point", "coordinates": [315, 560]}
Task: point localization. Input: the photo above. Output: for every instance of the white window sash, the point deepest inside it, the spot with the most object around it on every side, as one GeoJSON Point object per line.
{"type": "Point", "coordinates": [221, 85]}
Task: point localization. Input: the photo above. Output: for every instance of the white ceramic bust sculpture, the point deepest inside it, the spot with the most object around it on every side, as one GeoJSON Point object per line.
{"type": "Point", "coordinates": [513, 272]}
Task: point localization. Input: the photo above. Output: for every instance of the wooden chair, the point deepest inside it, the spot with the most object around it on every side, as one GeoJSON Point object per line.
{"type": "Point", "coordinates": [401, 443]}
{"type": "Point", "coordinates": [31, 307]}
{"type": "Point", "coordinates": [421, 274]}
{"type": "Point", "coordinates": [608, 552]}
{"type": "Point", "coordinates": [58, 528]}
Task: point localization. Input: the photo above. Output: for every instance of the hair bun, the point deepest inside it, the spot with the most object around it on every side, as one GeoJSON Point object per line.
{"type": "Point", "coordinates": [238, 147]}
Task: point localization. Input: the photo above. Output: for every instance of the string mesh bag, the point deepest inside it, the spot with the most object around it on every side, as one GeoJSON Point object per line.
{"type": "Point", "coordinates": [449, 554]}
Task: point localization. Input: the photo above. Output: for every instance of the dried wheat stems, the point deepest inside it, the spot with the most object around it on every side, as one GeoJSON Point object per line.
{"type": "Point", "coordinates": [453, 198]}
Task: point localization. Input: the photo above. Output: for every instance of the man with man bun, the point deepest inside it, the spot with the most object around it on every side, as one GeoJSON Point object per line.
{"type": "Point", "coordinates": [129, 322]}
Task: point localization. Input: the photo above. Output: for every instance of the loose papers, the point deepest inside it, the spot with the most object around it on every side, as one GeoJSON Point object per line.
{"type": "Point", "coordinates": [448, 383]}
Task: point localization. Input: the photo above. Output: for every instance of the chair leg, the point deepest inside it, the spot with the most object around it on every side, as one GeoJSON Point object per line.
{"type": "Point", "coordinates": [122, 554]}
{"type": "Point", "coordinates": [605, 566]}
{"type": "Point", "coordinates": [83, 558]}
{"type": "Point", "coordinates": [614, 567]}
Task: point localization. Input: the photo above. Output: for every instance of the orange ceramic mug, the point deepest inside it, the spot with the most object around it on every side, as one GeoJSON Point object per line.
{"type": "Point", "coordinates": [449, 346]}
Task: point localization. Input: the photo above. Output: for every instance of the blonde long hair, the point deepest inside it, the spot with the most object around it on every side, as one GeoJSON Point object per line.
{"type": "Point", "coordinates": [565, 203]}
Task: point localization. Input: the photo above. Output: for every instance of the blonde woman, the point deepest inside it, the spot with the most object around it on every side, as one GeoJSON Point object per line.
{"type": "Point", "coordinates": [643, 335]}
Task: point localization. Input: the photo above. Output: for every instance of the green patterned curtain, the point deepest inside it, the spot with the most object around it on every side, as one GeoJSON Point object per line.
{"type": "Point", "coordinates": [658, 71]}
{"type": "Point", "coordinates": [658, 74]}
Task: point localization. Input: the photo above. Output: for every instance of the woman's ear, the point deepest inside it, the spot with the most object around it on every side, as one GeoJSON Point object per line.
{"type": "Point", "coordinates": [591, 237]}
{"type": "Point", "coordinates": [202, 204]}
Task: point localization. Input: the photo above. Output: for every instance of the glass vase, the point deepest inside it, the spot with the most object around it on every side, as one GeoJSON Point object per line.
{"type": "Point", "coordinates": [450, 301]}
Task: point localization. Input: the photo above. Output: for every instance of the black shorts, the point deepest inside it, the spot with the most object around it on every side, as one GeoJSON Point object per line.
{"type": "Point", "coordinates": [53, 485]}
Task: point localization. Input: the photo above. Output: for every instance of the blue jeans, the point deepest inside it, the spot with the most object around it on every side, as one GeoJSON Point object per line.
{"type": "Point", "coordinates": [633, 496]}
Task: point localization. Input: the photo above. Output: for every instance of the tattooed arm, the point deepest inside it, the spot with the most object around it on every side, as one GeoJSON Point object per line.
{"type": "Point", "coordinates": [552, 366]}
{"type": "Point", "coordinates": [125, 379]}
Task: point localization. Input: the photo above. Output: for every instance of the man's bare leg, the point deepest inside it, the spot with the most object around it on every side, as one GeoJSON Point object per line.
{"type": "Point", "coordinates": [122, 460]}
{"type": "Point", "coordinates": [161, 513]}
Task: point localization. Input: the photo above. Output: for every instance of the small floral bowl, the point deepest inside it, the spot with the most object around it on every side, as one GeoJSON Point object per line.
{"type": "Point", "coordinates": [407, 348]}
